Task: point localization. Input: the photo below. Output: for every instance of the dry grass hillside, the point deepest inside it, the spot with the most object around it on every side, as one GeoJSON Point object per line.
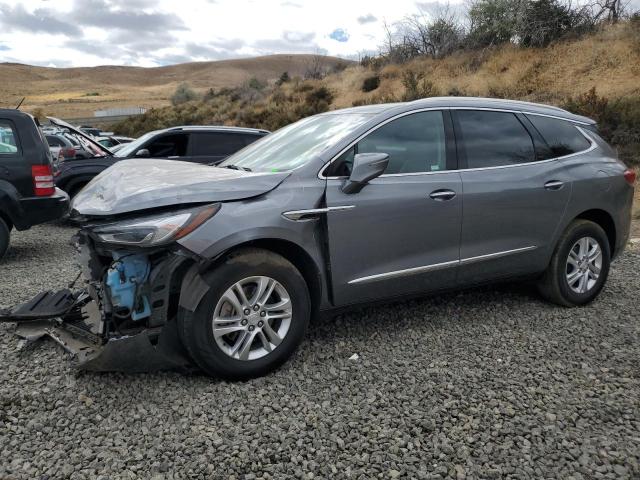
{"type": "Point", "coordinates": [608, 60]}
{"type": "Point", "coordinates": [77, 92]}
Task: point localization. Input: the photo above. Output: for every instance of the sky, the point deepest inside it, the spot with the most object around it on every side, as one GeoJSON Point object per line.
{"type": "Point", "coordinates": [65, 33]}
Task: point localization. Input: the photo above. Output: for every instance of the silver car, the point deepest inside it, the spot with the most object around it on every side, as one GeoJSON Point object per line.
{"type": "Point", "coordinates": [222, 267]}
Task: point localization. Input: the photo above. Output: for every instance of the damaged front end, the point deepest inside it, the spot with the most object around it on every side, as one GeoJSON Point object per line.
{"type": "Point", "coordinates": [123, 315]}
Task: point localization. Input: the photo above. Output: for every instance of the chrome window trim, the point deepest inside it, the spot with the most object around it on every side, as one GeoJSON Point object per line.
{"type": "Point", "coordinates": [439, 266]}
{"type": "Point", "coordinates": [524, 112]}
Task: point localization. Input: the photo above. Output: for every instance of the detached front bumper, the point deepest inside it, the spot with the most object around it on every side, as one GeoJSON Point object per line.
{"type": "Point", "coordinates": [74, 320]}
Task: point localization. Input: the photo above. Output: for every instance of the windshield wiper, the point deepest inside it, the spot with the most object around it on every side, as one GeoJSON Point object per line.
{"type": "Point", "coordinates": [236, 167]}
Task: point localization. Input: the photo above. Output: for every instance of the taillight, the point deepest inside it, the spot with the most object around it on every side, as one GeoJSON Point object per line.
{"type": "Point", "coordinates": [42, 180]}
{"type": "Point", "coordinates": [630, 176]}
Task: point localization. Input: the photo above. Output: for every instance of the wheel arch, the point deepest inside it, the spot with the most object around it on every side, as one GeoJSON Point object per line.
{"type": "Point", "coordinates": [605, 221]}
{"type": "Point", "coordinates": [196, 286]}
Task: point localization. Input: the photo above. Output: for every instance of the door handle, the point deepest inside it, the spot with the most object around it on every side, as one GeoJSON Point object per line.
{"type": "Point", "coordinates": [553, 185]}
{"type": "Point", "coordinates": [442, 195]}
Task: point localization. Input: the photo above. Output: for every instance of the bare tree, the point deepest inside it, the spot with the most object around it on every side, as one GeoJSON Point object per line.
{"type": "Point", "coordinates": [316, 68]}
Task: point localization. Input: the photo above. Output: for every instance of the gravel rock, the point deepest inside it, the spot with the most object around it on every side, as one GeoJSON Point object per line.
{"type": "Point", "coordinates": [488, 383]}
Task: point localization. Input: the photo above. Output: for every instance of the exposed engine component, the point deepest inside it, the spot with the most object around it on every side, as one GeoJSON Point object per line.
{"type": "Point", "coordinates": [124, 281]}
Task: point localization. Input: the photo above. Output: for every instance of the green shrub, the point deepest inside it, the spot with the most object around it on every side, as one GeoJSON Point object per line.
{"type": "Point", "coordinates": [256, 84]}
{"type": "Point", "coordinates": [416, 86]}
{"type": "Point", "coordinates": [369, 84]}
{"type": "Point", "coordinates": [284, 78]}
{"type": "Point", "coordinates": [184, 93]}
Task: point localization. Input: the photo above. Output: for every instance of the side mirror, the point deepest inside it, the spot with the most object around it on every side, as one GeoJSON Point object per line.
{"type": "Point", "coordinates": [143, 153]}
{"type": "Point", "coordinates": [366, 167]}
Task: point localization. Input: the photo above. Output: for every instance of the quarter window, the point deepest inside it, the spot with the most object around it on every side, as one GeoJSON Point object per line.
{"type": "Point", "coordinates": [492, 139]}
{"type": "Point", "coordinates": [8, 138]}
{"type": "Point", "coordinates": [415, 143]}
{"type": "Point", "coordinates": [562, 137]}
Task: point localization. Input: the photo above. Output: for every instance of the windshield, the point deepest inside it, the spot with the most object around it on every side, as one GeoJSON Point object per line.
{"type": "Point", "coordinates": [130, 148]}
{"type": "Point", "coordinates": [296, 144]}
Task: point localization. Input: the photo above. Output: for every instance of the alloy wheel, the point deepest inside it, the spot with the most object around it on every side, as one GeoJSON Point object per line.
{"type": "Point", "coordinates": [584, 264]}
{"type": "Point", "coordinates": [252, 318]}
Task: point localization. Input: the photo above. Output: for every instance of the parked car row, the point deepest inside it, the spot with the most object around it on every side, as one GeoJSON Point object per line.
{"type": "Point", "coordinates": [28, 195]}
{"type": "Point", "coordinates": [221, 268]}
{"type": "Point", "coordinates": [198, 144]}
{"type": "Point", "coordinates": [41, 165]}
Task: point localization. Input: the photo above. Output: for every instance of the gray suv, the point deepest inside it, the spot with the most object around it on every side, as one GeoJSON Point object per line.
{"type": "Point", "coordinates": [222, 267]}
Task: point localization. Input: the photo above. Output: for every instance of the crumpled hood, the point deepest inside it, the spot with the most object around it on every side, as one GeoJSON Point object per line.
{"type": "Point", "coordinates": [140, 184]}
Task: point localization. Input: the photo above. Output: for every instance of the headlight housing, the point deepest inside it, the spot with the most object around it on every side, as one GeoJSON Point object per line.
{"type": "Point", "coordinates": [155, 230]}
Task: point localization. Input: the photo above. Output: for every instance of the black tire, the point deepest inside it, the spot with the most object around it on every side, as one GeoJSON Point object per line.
{"type": "Point", "coordinates": [554, 285]}
{"type": "Point", "coordinates": [196, 327]}
{"type": "Point", "coordinates": [5, 238]}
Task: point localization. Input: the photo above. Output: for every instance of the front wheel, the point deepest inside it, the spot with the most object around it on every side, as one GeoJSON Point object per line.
{"type": "Point", "coordinates": [579, 266]}
{"type": "Point", "coordinates": [251, 320]}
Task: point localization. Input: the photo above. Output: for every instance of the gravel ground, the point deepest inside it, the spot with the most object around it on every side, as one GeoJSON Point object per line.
{"type": "Point", "coordinates": [489, 383]}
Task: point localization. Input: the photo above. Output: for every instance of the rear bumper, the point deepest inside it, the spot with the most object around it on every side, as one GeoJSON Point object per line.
{"type": "Point", "coordinates": [36, 210]}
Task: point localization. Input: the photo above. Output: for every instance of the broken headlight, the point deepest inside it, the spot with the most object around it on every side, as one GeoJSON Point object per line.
{"type": "Point", "coordinates": [156, 230]}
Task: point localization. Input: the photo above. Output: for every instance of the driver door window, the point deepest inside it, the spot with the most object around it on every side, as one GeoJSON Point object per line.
{"type": "Point", "coordinates": [174, 145]}
{"type": "Point", "coordinates": [415, 143]}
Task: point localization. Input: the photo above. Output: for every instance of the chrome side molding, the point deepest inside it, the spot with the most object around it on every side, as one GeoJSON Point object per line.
{"type": "Point", "coordinates": [491, 256]}
{"type": "Point", "coordinates": [405, 272]}
{"type": "Point", "coordinates": [297, 215]}
{"type": "Point", "coordinates": [438, 266]}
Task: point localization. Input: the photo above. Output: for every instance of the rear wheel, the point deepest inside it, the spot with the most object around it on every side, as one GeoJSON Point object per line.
{"type": "Point", "coordinates": [5, 237]}
{"type": "Point", "coordinates": [579, 266]}
{"type": "Point", "coordinates": [252, 318]}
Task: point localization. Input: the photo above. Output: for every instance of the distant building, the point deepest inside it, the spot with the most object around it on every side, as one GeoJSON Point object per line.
{"type": "Point", "coordinates": [114, 112]}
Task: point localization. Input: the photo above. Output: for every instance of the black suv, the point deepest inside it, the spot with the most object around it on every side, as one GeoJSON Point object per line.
{"type": "Point", "coordinates": [200, 144]}
{"type": "Point", "coordinates": [27, 193]}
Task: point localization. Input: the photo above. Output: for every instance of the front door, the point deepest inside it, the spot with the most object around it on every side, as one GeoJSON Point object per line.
{"type": "Point", "coordinates": [400, 234]}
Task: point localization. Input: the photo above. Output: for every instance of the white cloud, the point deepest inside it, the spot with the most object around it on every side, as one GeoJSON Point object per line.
{"type": "Point", "coordinates": [154, 32]}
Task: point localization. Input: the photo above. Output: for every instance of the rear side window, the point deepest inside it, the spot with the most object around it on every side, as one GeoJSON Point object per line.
{"type": "Point", "coordinates": [216, 143]}
{"type": "Point", "coordinates": [174, 145]}
{"type": "Point", "coordinates": [8, 138]}
{"type": "Point", "coordinates": [493, 139]}
{"type": "Point", "coordinates": [562, 137]}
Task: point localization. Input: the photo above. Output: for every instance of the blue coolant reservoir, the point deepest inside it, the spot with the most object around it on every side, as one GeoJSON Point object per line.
{"type": "Point", "coordinates": [124, 279]}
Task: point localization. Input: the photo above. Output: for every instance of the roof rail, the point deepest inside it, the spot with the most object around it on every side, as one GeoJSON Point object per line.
{"type": "Point", "coordinates": [218, 128]}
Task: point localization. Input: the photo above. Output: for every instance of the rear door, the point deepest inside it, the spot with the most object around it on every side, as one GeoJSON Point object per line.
{"type": "Point", "coordinates": [401, 233]}
{"type": "Point", "coordinates": [14, 167]}
{"type": "Point", "coordinates": [514, 195]}
{"type": "Point", "coordinates": [214, 147]}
